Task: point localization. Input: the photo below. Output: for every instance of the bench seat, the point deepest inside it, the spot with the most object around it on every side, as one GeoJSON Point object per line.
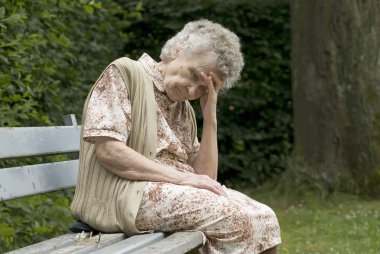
{"type": "Point", "coordinates": [157, 243]}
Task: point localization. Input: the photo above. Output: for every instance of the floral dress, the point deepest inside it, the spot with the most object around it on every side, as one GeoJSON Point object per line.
{"type": "Point", "coordinates": [232, 224]}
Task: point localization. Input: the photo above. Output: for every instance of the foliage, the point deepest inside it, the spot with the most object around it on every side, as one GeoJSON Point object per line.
{"type": "Point", "coordinates": [34, 219]}
{"type": "Point", "coordinates": [337, 224]}
{"type": "Point", "coordinates": [254, 118]}
{"type": "Point", "coordinates": [50, 54]}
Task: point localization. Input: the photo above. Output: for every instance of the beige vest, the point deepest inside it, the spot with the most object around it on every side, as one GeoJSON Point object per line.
{"type": "Point", "coordinates": [103, 200]}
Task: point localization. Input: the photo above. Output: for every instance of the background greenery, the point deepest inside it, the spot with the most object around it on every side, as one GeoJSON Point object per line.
{"type": "Point", "coordinates": [51, 51]}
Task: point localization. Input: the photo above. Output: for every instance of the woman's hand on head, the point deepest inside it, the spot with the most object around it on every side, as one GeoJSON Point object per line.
{"type": "Point", "coordinates": [203, 182]}
{"type": "Point", "coordinates": [209, 99]}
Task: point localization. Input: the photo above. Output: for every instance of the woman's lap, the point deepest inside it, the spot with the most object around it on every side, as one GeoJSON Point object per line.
{"type": "Point", "coordinates": [233, 224]}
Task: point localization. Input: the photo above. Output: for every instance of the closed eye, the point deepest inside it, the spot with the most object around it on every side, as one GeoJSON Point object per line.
{"type": "Point", "coordinates": [194, 74]}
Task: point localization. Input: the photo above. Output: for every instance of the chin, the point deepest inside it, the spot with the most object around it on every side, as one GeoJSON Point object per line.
{"type": "Point", "coordinates": [173, 99]}
{"type": "Point", "coordinates": [177, 100]}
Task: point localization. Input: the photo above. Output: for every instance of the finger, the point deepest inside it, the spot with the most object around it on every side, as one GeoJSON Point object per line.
{"type": "Point", "coordinates": [207, 81]}
{"type": "Point", "coordinates": [204, 78]}
{"type": "Point", "coordinates": [210, 85]}
{"type": "Point", "coordinates": [219, 190]}
{"type": "Point", "coordinates": [214, 188]}
{"type": "Point", "coordinates": [218, 83]}
{"type": "Point", "coordinates": [213, 81]}
{"type": "Point", "coordinates": [222, 189]}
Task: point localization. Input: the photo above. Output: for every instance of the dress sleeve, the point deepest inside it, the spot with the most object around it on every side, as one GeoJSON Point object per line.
{"type": "Point", "coordinates": [109, 109]}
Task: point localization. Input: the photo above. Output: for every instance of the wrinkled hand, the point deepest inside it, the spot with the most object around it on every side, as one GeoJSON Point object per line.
{"type": "Point", "coordinates": [203, 182]}
{"type": "Point", "coordinates": [209, 99]}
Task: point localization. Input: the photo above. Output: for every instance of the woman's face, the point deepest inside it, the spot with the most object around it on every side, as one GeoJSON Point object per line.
{"type": "Point", "coordinates": [181, 77]}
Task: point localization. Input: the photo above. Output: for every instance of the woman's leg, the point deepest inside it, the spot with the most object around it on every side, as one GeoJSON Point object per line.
{"type": "Point", "coordinates": [228, 226]}
{"type": "Point", "coordinates": [270, 251]}
{"type": "Point", "coordinates": [264, 220]}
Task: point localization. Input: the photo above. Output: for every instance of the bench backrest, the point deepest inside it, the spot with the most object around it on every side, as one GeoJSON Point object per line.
{"type": "Point", "coordinates": [20, 142]}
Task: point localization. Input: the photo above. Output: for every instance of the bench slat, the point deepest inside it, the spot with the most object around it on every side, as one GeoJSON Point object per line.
{"type": "Point", "coordinates": [177, 243]}
{"type": "Point", "coordinates": [131, 244]}
{"type": "Point", "coordinates": [90, 245]}
{"type": "Point", "coordinates": [48, 245]}
{"type": "Point", "coordinates": [18, 142]}
{"type": "Point", "coordinates": [35, 179]}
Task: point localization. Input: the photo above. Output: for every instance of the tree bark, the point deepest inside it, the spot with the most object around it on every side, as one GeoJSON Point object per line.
{"type": "Point", "coordinates": [336, 93]}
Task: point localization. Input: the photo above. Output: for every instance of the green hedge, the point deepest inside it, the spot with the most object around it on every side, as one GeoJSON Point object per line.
{"type": "Point", "coordinates": [51, 52]}
{"type": "Point", "coordinates": [255, 133]}
{"type": "Point", "coordinates": [33, 219]}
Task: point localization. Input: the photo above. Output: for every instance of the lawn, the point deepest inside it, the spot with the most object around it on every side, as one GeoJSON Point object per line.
{"type": "Point", "coordinates": [341, 224]}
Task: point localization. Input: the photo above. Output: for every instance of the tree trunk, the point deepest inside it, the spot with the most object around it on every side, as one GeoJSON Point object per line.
{"type": "Point", "coordinates": [336, 93]}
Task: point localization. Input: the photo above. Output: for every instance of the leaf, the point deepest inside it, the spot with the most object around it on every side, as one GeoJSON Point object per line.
{"type": "Point", "coordinates": [16, 98]}
{"type": "Point", "coordinates": [89, 8]}
{"type": "Point", "coordinates": [14, 19]}
{"type": "Point", "coordinates": [97, 5]}
{"type": "Point", "coordinates": [2, 12]}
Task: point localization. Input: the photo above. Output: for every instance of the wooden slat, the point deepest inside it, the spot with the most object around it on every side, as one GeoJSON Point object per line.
{"type": "Point", "coordinates": [177, 243]}
{"type": "Point", "coordinates": [131, 244]}
{"type": "Point", "coordinates": [30, 141]}
{"type": "Point", "coordinates": [35, 179]}
{"type": "Point", "coordinates": [90, 245]}
{"type": "Point", "coordinates": [48, 245]}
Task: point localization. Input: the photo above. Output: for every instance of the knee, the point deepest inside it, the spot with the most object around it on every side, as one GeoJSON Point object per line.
{"type": "Point", "coordinates": [266, 224]}
{"type": "Point", "coordinates": [266, 212]}
{"type": "Point", "coordinates": [245, 223]}
{"type": "Point", "coordinates": [240, 224]}
{"type": "Point", "coordinates": [267, 215]}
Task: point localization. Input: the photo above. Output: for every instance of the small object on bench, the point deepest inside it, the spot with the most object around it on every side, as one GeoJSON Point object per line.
{"type": "Point", "coordinates": [22, 181]}
{"type": "Point", "coordinates": [78, 227]}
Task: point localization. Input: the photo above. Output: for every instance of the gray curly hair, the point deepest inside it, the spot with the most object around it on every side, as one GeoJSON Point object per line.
{"type": "Point", "coordinates": [205, 36]}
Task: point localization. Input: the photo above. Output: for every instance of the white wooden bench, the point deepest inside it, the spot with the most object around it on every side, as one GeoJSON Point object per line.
{"type": "Point", "coordinates": [16, 182]}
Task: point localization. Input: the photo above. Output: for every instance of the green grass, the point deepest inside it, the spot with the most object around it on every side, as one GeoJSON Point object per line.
{"type": "Point", "coordinates": [341, 224]}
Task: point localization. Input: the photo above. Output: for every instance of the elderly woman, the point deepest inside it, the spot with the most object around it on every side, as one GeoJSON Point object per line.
{"type": "Point", "coordinates": [141, 165]}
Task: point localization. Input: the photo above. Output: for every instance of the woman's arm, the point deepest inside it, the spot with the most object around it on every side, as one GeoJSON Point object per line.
{"type": "Point", "coordinates": [125, 162]}
{"type": "Point", "coordinates": [206, 162]}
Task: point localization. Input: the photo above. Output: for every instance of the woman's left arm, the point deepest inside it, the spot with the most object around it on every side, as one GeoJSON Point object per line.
{"type": "Point", "coordinates": [206, 161]}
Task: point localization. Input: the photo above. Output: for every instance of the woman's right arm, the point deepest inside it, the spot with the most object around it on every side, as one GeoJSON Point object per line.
{"type": "Point", "coordinates": [125, 162]}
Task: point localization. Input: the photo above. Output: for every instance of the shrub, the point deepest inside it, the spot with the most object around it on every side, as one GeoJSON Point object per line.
{"type": "Point", "coordinates": [51, 52]}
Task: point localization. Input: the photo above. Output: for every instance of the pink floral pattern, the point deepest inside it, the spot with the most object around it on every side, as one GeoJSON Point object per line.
{"type": "Point", "coordinates": [109, 109]}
